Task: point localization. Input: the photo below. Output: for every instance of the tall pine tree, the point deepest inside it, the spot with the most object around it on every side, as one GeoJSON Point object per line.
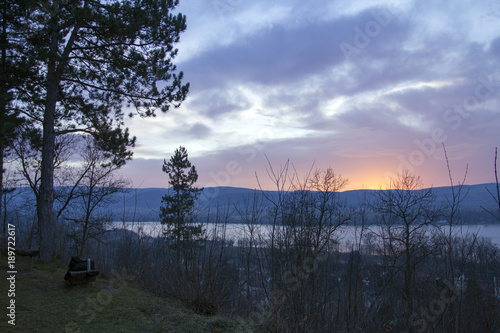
{"type": "Point", "coordinates": [93, 58]}
{"type": "Point", "coordinates": [179, 202]}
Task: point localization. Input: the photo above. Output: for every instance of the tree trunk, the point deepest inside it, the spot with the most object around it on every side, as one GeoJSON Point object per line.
{"type": "Point", "coordinates": [88, 211]}
{"type": "Point", "coordinates": [84, 237]}
{"type": "Point", "coordinates": [45, 211]}
{"type": "Point", "coordinates": [408, 283]}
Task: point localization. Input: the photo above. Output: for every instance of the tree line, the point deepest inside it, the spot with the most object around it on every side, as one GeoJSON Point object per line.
{"type": "Point", "coordinates": [409, 267]}
{"type": "Point", "coordinates": [416, 269]}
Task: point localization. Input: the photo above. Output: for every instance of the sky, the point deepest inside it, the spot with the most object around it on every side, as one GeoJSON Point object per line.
{"type": "Point", "coordinates": [368, 88]}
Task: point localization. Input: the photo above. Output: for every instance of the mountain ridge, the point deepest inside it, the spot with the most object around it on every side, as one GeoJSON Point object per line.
{"type": "Point", "coordinates": [142, 204]}
{"type": "Point", "coordinates": [213, 197]}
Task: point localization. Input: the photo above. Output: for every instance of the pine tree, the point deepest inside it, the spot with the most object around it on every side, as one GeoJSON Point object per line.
{"type": "Point", "coordinates": [93, 58]}
{"type": "Point", "coordinates": [176, 214]}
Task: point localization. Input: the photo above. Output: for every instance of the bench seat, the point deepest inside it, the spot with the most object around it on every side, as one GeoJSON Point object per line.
{"type": "Point", "coordinates": [77, 277]}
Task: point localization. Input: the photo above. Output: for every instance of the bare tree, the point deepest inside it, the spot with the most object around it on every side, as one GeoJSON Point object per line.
{"type": "Point", "coordinates": [27, 159]}
{"type": "Point", "coordinates": [495, 195]}
{"type": "Point", "coordinates": [329, 214]}
{"type": "Point", "coordinates": [26, 171]}
{"type": "Point", "coordinates": [447, 241]}
{"type": "Point", "coordinates": [252, 213]}
{"type": "Point", "coordinates": [97, 182]}
{"type": "Point", "coordinates": [406, 211]}
{"type": "Point", "coordinates": [306, 219]}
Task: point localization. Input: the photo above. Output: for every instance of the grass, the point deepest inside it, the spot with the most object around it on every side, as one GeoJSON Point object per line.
{"type": "Point", "coordinates": [46, 303]}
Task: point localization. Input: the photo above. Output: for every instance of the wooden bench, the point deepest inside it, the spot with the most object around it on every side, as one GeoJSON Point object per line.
{"type": "Point", "coordinates": [80, 277]}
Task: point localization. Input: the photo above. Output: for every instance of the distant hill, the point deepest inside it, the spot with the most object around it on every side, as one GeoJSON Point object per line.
{"type": "Point", "coordinates": [142, 204]}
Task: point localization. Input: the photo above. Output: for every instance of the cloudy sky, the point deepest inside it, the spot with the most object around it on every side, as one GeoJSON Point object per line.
{"type": "Point", "coordinates": [365, 87]}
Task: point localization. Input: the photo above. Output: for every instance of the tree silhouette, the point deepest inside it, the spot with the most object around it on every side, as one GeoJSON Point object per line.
{"type": "Point", "coordinates": [407, 212]}
{"type": "Point", "coordinates": [176, 214]}
{"type": "Point", "coordinates": [93, 58]}
{"type": "Point", "coordinates": [15, 69]}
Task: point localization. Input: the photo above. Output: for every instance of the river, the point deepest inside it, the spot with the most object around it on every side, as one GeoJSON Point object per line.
{"type": "Point", "coordinates": [346, 234]}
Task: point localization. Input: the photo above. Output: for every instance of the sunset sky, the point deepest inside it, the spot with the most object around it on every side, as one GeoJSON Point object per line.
{"type": "Point", "coordinates": [365, 87]}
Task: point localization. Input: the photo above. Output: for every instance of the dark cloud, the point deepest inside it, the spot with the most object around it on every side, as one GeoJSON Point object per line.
{"type": "Point", "coordinates": [186, 132]}
{"type": "Point", "coordinates": [282, 54]}
{"type": "Point", "coordinates": [199, 131]}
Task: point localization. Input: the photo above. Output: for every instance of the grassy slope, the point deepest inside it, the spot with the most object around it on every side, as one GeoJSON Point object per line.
{"type": "Point", "coordinates": [46, 303]}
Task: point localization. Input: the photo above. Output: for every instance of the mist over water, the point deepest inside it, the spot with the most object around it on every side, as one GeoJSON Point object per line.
{"type": "Point", "coordinates": [346, 235]}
